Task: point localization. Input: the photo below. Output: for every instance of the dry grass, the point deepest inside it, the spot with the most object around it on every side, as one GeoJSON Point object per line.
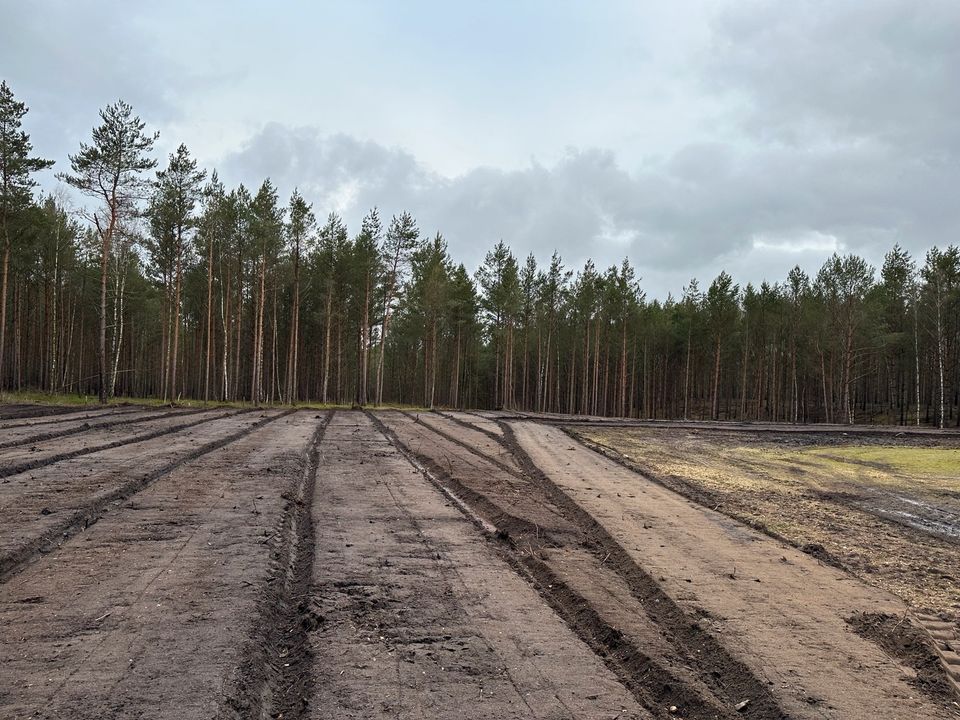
{"type": "Point", "coordinates": [845, 496]}
{"type": "Point", "coordinates": [34, 397]}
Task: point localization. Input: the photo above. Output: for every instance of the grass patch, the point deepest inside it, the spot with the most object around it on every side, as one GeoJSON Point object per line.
{"type": "Point", "coordinates": [921, 462]}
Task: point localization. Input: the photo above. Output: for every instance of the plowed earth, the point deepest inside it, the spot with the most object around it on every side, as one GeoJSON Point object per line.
{"type": "Point", "coordinates": [296, 564]}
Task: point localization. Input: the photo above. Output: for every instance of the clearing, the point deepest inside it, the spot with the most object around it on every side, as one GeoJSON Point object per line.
{"type": "Point", "coordinates": [239, 563]}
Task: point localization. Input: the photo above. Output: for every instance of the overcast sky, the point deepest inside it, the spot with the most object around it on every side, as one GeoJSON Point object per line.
{"type": "Point", "coordinates": [689, 136]}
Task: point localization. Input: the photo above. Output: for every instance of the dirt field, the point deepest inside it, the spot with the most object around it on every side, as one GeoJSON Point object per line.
{"type": "Point", "coordinates": [885, 507]}
{"type": "Point", "coordinates": [302, 564]}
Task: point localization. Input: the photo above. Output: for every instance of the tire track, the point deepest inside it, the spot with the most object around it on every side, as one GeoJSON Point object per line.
{"type": "Point", "coordinates": [880, 431]}
{"type": "Point", "coordinates": [701, 650]}
{"type": "Point", "coordinates": [507, 468]}
{"type": "Point", "coordinates": [14, 469]}
{"type": "Point", "coordinates": [14, 562]}
{"type": "Point", "coordinates": [468, 425]}
{"type": "Point", "coordinates": [22, 411]}
{"type": "Point", "coordinates": [275, 680]}
{"type": "Point", "coordinates": [33, 422]}
{"type": "Point", "coordinates": [86, 427]}
{"type": "Point", "coordinates": [651, 682]}
{"type": "Point", "coordinates": [932, 625]}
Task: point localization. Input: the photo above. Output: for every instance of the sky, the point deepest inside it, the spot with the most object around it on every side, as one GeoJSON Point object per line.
{"type": "Point", "coordinates": [689, 136]}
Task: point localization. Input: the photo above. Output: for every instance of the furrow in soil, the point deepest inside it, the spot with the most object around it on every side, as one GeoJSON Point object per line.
{"type": "Point", "coordinates": [775, 611]}
{"type": "Point", "coordinates": [561, 562]}
{"type": "Point", "coordinates": [275, 679]}
{"type": "Point", "coordinates": [45, 421]}
{"type": "Point", "coordinates": [421, 613]}
{"type": "Point", "coordinates": [146, 614]}
{"type": "Point", "coordinates": [79, 520]}
{"type": "Point", "coordinates": [17, 439]}
{"type": "Point", "coordinates": [34, 458]}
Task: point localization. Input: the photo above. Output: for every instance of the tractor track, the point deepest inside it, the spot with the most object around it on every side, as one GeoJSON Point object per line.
{"type": "Point", "coordinates": [24, 411]}
{"type": "Point", "coordinates": [86, 427]}
{"type": "Point", "coordinates": [468, 425]}
{"type": "Point", "coordinates": [275, 678]}
{"type": "Point", "coordinates": [16, 561]}
{"type": "Point", "coordinates": [941, 635]}
{"type": "Point", "coordinates": [506, 467]}
{"type": "Point", "coordinates": [14, 469]}
{"type": "Point", "coordinates": [32, 422]}
{"type": "Point", "coordinates": [822, 429]}
{"type": "Point", "coordinates": [701, 650]}
{"type": "Point", "coordinates": [651, 682]}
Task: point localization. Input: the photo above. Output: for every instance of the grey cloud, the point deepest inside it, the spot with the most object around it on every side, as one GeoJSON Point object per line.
{"type": "Point", "coordinates": [69, 59]}
{"type": "Point", "coordinates": [690, 214]}
{"type": "Point", "coordinates": [836, 120]}
{"type": "Point", "coordinates": [837, 71]}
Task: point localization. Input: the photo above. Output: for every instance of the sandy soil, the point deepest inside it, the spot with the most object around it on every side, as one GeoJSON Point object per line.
{"type": "Point", "coordinates": [885, 508]}
{"type": "Point", "coordinates": [781, 610]}
{"type": "Point", "coordinates": [42, 506]}
{"type": "Point", "coordinates": [420, 617]}
{"type": "Point", "coordinates": [269, 563]}
{"type": "Point", "coordinates": [143, 614]}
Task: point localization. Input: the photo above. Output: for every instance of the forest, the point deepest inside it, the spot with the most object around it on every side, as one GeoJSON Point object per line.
{"type": "Point", "coordinates": [157, 281]}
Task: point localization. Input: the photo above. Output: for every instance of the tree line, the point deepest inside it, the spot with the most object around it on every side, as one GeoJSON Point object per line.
{"type": "Point", "coordinates": [171, 285]}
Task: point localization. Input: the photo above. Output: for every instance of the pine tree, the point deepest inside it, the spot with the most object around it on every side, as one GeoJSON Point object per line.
{"type": "Point", "coordinates": [722, 310]}
{"type": "Point", "coordinates": [367, 265]}
{"type": "Point", "coordinates": [299, 230]}
{"type": "Point", "coordinates": [401, 241]}
{"type": "Point", "coordinates": [266, 231]}
{"type": "Point", "coordinates": [177, 191]}
{"type": "Point", "coordinates": [16, 185]}
{"type": "Point", "coordinates": [110, 170]}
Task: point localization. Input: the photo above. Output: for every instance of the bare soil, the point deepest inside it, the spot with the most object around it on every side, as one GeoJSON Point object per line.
{"type": "Point", "coordinates": [27, 410]}
{"type": "Point", "coordinates": [304, 564]}
{"type": "Point", "coordinates": [896, 526]}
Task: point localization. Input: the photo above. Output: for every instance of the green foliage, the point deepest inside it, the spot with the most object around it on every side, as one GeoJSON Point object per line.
{"type": "Point", "coordinates": [239, 297]}
{"type": "Point", "coordinates": [16, 163]}
{"type": "Point", "coordinates": [112, 166]}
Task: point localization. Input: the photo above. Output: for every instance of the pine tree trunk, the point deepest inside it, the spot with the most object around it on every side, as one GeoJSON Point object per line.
{"type": "Point", "coordinates": [176, 321]}
{"type": "Point", "coordinates": [326, 346]}
{"type": "Point", "coordinates": [17, 335]}
{"type": "Point", "coordinates": [585, 383]}
{"type": "Point", "coordinates": [117, 338]}
{"type": "Point", "coordinates": [274, 375]}
{"type": "Point", "coordinates": [715, 406]}
{"type": "Point", "coordinates": [823, 375]}
{"type": "Point", "coordinates": [743, 380]}
{"type": "Point", "coordinates": [107, 237]}
{"type": "Point", "coordinates": [239, 340]}
{"type": "Point", "coordinates": [292, 359]}
{"type": "Point", "coordinates": [455, 375]}
{"type": "Point", "coordinates": [686, 376]}
{"type": "Point", "coordinates": [3, 301]}
{"type": "Point", "coordinates": [339, 357]}
{"type": "Point", "coordinates": [206, 366]}
{"type": "Point", "coordinates": [225, 313]}
{"type": "Point", "coordinates": [848, 376]}
{"type": "Point", "coordinates": [256, 384]}
{"type": "Point", "coordinates": [364, 347]}
{"type": "Point", "coordinates": [623, 371]}
{"type": "Point", "coordinates": [388, 299]}
{"type": "Point", "coordinates": [916, 357]}
{"type": "Point", "coordinates": [940, 353]}
{"type": "Point", "coordinates": [595, 403]}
